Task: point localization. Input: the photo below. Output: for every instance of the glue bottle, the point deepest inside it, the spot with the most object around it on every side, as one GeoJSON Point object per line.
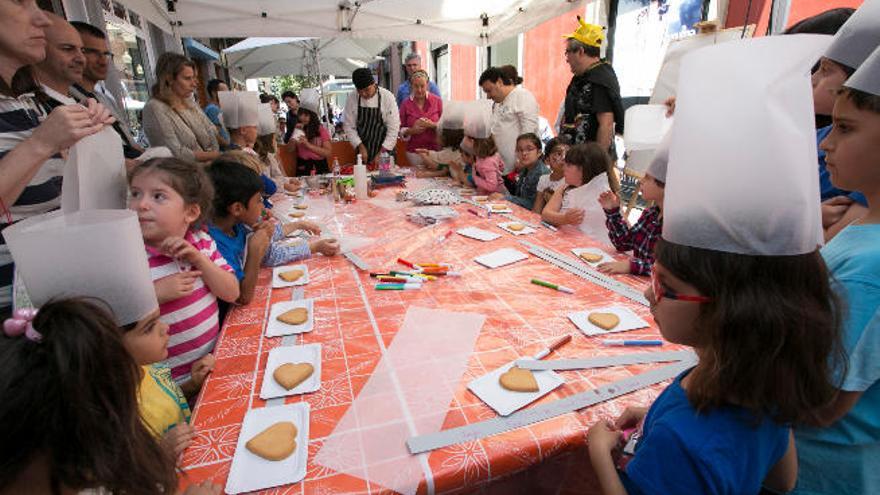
{"type": "Point", "coordinates": [360, 179]}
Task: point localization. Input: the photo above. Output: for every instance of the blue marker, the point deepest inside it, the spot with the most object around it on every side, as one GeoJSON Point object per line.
{"type": "Point", "coordinates": [632, 342]}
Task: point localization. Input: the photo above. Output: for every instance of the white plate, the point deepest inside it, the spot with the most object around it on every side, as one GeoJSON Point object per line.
{"type": "Point", "coordinates": [506, 209]}
{"type": "Point", "coordinates": [310, 353]}
{"type": "Point", "coordinates": [251, 472]}
{"type": "Point", "coordinates": [501, 257]}
{"type": "Point", "coordinates": [628, 320]}
{"type": "Point", "coordinates": [505, 401]}
{"type": "Point", "coordinates": [605, 256]}
{"type": "Point", "coordinates": [275, 328]}
{"type": "Point", "coordinates": [277, 283]}
{"type": "Point", "coordinates": [526, 229]}
{"type": "Point", "coordinates": [478, 234]}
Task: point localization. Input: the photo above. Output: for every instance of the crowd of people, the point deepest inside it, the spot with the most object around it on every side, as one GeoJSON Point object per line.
{"type": "Point", "coordinates": [96, 388]}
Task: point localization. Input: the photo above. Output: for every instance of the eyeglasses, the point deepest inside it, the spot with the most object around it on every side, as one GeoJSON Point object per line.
{"type": "Point", "coordinates": [99, 53]}
{"type": "Point", "coordinates": [569, 51]}
{"type": "Point", "coordinates": [660, 292]}
{"type": "Point", "coordinates": [526, 150]}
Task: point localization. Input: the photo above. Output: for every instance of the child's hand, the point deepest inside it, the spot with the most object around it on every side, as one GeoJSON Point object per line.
{"type": "Point", "coordinates": [178, 438]}
{"type": "Point", "coordinates": [833, 210]}
{"type": "Point", "coordinates": [609, 201]}
{"type": "Point", "coordinates": [310, 227]}
{"type": "Point", "coordinates": [615, 267]}
{"type": "Point", "coordinates": [204, 488]}
{"type": "Point", "coordinates": [630, 418]}
{"type": "Point", "coordinates": [603, 437]}
{"type": "Point", "coordinates": [176, 285]}
{"type": "Point", "coordinates": [292, 186]}
{"type": "Point", "coordinates": [573, 216]}
{"type": "Point", "coordinates": [201, 369]}
{"type": "Point", "coordinates": [421, 151]}
{"type": "Point", "coordinates": [327, 247]}
{"type": "Point", "coordinates": [258, 242]}
{"type": "Point", "coordinates": [179, 248]}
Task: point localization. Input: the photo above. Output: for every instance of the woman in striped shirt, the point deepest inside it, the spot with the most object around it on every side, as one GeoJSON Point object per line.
{"type": "Point", "coordinates": [31, 140]}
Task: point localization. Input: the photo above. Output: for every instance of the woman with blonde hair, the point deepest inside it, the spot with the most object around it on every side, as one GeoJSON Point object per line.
{"type": "Point", "coordinates": [171, 117]}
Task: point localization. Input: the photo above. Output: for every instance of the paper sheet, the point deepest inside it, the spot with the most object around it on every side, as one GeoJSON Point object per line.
{"type": "Point", "coordinates": [586, 198]}
{"type": "Point", "coordinates": [94, 174]}
{"type": "Point", "coordinates": [408, 394]}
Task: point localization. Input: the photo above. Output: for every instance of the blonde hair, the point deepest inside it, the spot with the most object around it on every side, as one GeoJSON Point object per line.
{"type": "Point", "coordinates": [168, 67]}
{"type": "Point", "coordinates": [249, 160]}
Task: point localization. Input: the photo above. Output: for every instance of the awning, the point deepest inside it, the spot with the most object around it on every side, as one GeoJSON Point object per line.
{"type": "Point", "coordinates": [473, 22]}
{"type": "Point", "coordinates": [198, 51]}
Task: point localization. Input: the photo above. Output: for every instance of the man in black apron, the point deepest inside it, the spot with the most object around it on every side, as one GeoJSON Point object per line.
{"type": "Point", "coordinates": [371, 117]}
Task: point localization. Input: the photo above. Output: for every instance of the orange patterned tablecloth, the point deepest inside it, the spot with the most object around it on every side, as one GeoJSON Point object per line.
{"type": "Point", "coordinates": [521, 318]}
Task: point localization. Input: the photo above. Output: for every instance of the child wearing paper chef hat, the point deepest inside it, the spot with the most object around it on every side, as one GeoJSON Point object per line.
{"type": "Point", "coordinates": [266, 148]}
{"type": "Point", "coordinates": [739, 278]}
{"type": "Point", "coordinates": [641, 237]}
{"type": "Point", "coordinates": [852, 44]}
{"type": "Point", "coordinates": [109, 357]}
{"type": "Point", "coordinates": [840, 456]}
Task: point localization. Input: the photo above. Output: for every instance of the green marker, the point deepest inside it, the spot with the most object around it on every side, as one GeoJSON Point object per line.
{"type": "Point", "coordinates": [549, 285]}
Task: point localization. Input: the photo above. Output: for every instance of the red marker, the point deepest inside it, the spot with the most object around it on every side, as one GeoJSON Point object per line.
{"type": "Point", "coordinates": [405, 263]}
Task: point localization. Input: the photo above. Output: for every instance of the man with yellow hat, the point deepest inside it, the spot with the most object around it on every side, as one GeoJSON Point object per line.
{"type": "Point", "coordinates": [592, 100]}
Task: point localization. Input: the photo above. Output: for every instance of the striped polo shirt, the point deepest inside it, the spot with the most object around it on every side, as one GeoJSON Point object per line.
{"type": "Point", "coordinates": [19, 116]}
{"type": "Point", "coordinates": [193, 320]}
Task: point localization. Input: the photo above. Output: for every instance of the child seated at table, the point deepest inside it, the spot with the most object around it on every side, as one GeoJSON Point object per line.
{"type": "Point", "coordinates": [584, 164]}
{"type": "Point", "coordinates": [439, 163]}
{"type": "Point", "coordinates": [254, 163]}
{"type": "Point", "coordinates": [554, 157]}
{"type": "Point", "coordinates": [530, 168]}
{"type": "Point", "coordinates": [172, 197]}
{"type": "Point", "coordinates": [244, 238]}
{"type": "Point", "coordinates": [641, 237]}
{"type": "Point", "coordinates": [486, 165]}
{"type": "Point", "coordinates": [69, 418]}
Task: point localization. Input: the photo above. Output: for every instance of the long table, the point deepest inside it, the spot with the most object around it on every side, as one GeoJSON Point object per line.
{"type": "Point", "coordinates": [355, 323]}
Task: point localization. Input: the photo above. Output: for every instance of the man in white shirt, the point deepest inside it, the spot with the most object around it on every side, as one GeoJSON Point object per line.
{"type": "Point", "coordinates": [64, 62]}
{"type": "Point", "coordinates": [514, 112]}
{"type": "Point", "coordinates": [371, 121]}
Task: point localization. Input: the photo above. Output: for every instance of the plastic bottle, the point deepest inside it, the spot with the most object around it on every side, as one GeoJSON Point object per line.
{"type": "Point", "coordinates": [360, 179]}
{"type": "Point", "coordinates": [336, 168]}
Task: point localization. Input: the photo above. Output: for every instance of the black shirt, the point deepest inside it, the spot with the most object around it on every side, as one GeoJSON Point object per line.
{"type": "Point", "coordinates": [594, 92]}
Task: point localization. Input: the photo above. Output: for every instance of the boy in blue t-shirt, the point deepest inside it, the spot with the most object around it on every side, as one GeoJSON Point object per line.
{"type": "Point", "coordinates": [244, 240]}
{"type": "Point", "coordinates": [840, 455]}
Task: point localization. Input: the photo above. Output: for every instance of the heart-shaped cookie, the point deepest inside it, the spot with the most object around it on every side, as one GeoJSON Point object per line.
{"type": "Point", "coordinates": [291, 275]}
{"type": "Point", "coordinates": [516, 227]}
{"type": "Point", "coordinates": [297, 214]}
{"type": "Point", "coordinates": [499, 207]}
{"type": "Point", "coordinates": [518, 380]}
{"type": "Point", "coordinates": [295, 316]}
{"type": "Point", "coordinates": [289, 375]}
{"type": "Point", "coordinates": [590, 257]}
{"type": "Point", "coordinates": [275, 443]}
{"type": "Point", "coordinates": [605, 321]}
{"type": "Point", "coordinates": [301, 207]}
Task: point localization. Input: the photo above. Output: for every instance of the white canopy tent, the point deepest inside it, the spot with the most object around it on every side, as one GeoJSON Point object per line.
{"type": "Point", "coordinates": [473, 22]}
{"type": "Point", "coordinates": [266, 57]}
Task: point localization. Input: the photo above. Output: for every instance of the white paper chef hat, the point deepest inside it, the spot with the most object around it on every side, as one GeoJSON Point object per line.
{"type": "Point", "coordinates": [310, 99]}
{"type": "Point", "coordinates": [453, 115]}
{"type": "Point", "coordinates": [266, 120]}
{"type": "Point", "coordinates": [867, 77]}
{"type": "Point", "coordinates": [240, 108]}
{"type": "Point", "coordinates": [93, 253]}
{"type": "Point", "coordinates": [858, 36]}
{"type": "Point", "coordinates": [743, 136]}
{"type": "Point", "coordinates": [478, 119]}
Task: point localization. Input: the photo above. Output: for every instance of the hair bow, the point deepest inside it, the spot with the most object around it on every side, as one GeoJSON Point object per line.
{"type": "Point", "coordinates": [22, 323]}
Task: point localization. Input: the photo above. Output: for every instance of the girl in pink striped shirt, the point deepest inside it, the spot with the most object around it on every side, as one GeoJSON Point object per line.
{"type": "Point", "coordinates": [172, 197]}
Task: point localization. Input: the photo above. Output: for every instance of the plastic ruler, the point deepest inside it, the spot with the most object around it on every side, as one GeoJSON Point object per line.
{"type": "Point", "coordinates": [356, 260]}
{"type": "Point", "coordinates": [605, 361]}
{"type": "Point", "coordinates": [576, 267]}
{"type": "Point", "coordinates": [525, 417]}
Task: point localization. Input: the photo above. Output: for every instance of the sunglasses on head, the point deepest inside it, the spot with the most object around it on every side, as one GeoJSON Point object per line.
{"type": "Point", "coordinates": [660, 292]}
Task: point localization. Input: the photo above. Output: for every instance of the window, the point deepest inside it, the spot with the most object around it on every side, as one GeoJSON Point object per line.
{"type": "Point", "coordinates": [129, 57]}
{"type": "Point", "coordinates": [441, 70]}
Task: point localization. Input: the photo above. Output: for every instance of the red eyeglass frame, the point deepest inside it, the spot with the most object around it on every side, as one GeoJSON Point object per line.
{"type": "Point", "coordinates": [660, 292]}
